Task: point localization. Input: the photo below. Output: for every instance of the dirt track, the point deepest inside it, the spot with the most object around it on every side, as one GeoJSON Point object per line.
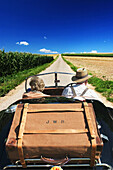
{"type": "Point", "coordinates": [57, 66]}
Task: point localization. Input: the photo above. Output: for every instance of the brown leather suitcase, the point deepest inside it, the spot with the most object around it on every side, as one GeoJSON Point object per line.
{"type": "Point", "coordinates": [54, 131]}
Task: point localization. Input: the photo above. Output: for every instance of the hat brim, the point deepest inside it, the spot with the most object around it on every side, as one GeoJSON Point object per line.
{"type": "Point", "coordinates": [80, 80]}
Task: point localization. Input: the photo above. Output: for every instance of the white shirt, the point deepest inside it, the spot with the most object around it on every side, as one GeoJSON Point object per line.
{"type": "Point", "coordinates": [79, 89]}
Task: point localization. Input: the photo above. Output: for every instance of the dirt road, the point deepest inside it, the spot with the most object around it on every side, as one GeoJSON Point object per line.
{"type": "Point", "coordinates": [58, 66]}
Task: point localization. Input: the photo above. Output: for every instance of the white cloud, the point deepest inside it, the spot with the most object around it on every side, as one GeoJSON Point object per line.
{"type": "Point", "coordinates": [93, 51]}
{"type": "Point", "coordinates": [45, 37]}
{"type": "Point", "coordinates": [84, 52]}
{"type": "Point", "coordinates": [69, 52]}
{"type": "Point", "coordinates": [22, 43]}
{"type": "Point", "coordinates": [47, 51]}
{"type": "Point", "coordinates": [17, 43]}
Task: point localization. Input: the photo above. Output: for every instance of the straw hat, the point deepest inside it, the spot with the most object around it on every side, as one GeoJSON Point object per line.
{"type": "Point", "coordinates": [81, 76]}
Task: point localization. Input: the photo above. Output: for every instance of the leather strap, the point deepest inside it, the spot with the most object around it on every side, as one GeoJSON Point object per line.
{"type": "Point", "coordinates": [21, 154]}
{"type": "Point", "coordinates": [84, 92]}
{"type": "Point", "coordinates": [57, 131]}
{"type": "Point", "coordinates": [93, 152]}
{"type": "Point", "coordinates": [20, 136]}
{"type": "Point", "coordinates": [55, 162]}
{"type": "Point", "coordinates": [73, 91]}
{"type": "Point", "coordinates": [92, 134]}
{"type": "Point", "coordinates": [56, 110]}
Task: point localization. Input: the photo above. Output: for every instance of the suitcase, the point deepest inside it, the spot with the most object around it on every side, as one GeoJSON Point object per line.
{"type": "Point", "coordinates": [58, 131]}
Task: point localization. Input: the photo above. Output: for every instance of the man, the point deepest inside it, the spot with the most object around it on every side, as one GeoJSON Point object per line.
{"type": "Point", "coordinates": [79, 90]}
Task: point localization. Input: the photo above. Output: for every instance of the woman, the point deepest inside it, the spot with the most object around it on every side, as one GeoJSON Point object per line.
{"type": "Point", "coordinates": [37, 87]}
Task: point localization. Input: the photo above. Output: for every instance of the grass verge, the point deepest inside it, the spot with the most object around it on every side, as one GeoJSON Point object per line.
{"type": "Point", "coordinates": [11, 81]}
{"type": "Point", "coordinates": [74, 68]}
{"type": "Point", "coordinates": [89, 54]}
{"type": "Point", "coordinates": [105, 87]}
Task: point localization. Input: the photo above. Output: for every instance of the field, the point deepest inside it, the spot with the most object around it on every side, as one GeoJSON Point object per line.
{"type": "Point", "coordinates": [101, 67]}
{"type": "Point", "coordinates": [15, 67]}
{"type": "Point", "coordinates": [53, 55]}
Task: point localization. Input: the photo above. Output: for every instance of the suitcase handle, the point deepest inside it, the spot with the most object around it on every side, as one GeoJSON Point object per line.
{"type": "Point", "coordinates": [54, 161]}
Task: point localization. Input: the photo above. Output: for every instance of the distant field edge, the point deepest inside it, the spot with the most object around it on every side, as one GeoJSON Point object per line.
{"type": "Point", "coordinates": [104, 87]}
{"type": "Point", "coordinates": [89, 54]}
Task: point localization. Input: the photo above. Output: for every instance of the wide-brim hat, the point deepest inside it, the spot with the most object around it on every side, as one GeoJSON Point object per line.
{"type": "Point", "coordinates": [81, 76]}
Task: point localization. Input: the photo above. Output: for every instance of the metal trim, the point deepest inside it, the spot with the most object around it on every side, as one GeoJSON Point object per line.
{"type": "Point", "coordinates": [98, 164]}
{"type": "Point", "coordinates": [47, 74]}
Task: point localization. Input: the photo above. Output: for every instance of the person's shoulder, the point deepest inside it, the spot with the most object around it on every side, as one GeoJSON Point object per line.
{"type": "Point", "coordinates": [80, 86]}
{"type": "Point", "coordinates": [94, 94]}
{"type": "Point", "coordinates": [92, 91]}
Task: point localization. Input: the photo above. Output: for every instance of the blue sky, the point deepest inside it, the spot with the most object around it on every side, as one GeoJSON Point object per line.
{"type": "Point", "coordinates": [56, 26]}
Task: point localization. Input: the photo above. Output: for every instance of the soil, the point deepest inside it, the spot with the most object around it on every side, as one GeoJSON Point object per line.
{"type": "Point", "coordinates": [101, 67]}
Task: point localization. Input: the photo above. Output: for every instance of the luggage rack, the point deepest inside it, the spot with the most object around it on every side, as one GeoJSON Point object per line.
{"type": "Point", "coordinates": [98, 163]}
{"type": "Point", "coordinates": [91, 161]}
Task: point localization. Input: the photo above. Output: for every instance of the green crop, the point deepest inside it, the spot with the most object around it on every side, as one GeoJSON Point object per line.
{"type": "Point", "coordinates": [13, 62]}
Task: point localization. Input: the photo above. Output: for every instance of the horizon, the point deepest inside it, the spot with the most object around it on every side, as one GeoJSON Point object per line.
{"type": "Point", "coordinates": [56, 26]}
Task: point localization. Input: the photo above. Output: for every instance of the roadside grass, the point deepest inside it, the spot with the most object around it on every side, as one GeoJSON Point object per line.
{"type": "Point", "coordinates": [9, 82]}
{"type": "Point", "coordinates": [74, 68]}
{"type": "Point", "coordinates": [105, 87]}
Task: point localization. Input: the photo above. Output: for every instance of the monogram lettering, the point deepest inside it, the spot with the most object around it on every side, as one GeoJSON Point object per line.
{"type": "Point", "coordinates": [55, 121]}
{"type": "Point", "coordinates": [47, 122]}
